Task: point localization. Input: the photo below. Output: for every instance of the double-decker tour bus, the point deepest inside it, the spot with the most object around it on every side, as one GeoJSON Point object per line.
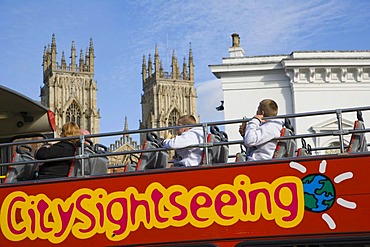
{"type": "Point", "coordinates": [303, 196]}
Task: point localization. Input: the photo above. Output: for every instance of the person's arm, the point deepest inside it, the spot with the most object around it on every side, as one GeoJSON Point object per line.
{"type": "Point", "coordinates": [187, 138]}
{"type": "Point", "coordinates": [55, 151]}
{"type": "Point", "coordinates": [257, 134]}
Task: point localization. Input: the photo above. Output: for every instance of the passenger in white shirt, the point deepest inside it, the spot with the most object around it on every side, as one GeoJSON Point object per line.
{"type": "Point", "coordinates": [186, 137]}
{"type": "Point", "coordinates": [258, 134]}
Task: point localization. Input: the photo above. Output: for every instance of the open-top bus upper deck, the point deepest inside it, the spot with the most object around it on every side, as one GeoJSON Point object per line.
{"type": "Point", "coordinates": [320, 198]}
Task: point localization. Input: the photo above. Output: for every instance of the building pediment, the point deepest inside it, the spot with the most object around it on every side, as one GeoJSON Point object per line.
{"type": "Point", "coordinates": [331, 124]}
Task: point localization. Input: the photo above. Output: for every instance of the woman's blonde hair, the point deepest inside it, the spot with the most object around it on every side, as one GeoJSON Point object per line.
{"type": "Point", "coordinates": [70, 129]}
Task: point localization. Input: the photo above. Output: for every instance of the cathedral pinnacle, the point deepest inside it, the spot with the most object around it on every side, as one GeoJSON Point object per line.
{"type": "Point", "coordinates": [126, 124]}
{"type": "Point", "coordinates": [53, 53]}
{"type": "Point", "coordinates": [63, 62]}
{"type": "Point", "coordinates": [91, 56]}
{"type": "Point", "coordinates": [81, 62]}
{"type": "Point", "coordinates": [143, 69]}
{"type": "Point", "coordinates": [91, 47]}
{"type": "Point", "coordinates": [191, 64]}
{"type": "Point", "coordinates": [184, 70]}
{"type": "Point", "coordinates": [73, 56]}
{"type": "Point", "coordinates": [53, 42]}
{"type": "Point", "coordinates": [87, 62]}
{"type": "Point", "coordinates": [156, 61]}
{"type": "Point", "coordinates": [150, 66]}
{"type": "Point", "coordinates": [175, 68]}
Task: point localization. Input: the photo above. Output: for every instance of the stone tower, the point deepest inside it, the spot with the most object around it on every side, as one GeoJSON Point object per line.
{"type": "Point", "coordinates": [166, 96]}
{"type": "Point", "coordinates": [69, 90]}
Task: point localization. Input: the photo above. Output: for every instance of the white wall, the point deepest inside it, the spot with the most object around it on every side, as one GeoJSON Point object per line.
{"type": "Point", "coordinates": [299, 82]}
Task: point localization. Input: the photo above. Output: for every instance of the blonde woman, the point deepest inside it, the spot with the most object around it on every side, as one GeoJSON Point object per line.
{"type": "Point", "coordinates": [64, 148]}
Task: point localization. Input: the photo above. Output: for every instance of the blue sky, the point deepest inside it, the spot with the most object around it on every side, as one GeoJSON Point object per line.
{"type": "Point", "coordinates": [123, 31]}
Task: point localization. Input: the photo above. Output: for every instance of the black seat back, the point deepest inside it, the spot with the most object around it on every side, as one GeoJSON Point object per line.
{"type": "Point", "coordinates": [286, 148]}
{"type": "Point", "coordinates": [147, 160]}
{"type": "Point", "coordinates": [99, 165]}
{"type": "Point", "coordinates": [242, 155]}
{"type": "Point", "coordinates": [92, 165]}
{"type": "Point", "coordinates": [224, 149]}
{"type": "Point", "coordinates": [155, 159]}
{"type": "Point", "coordinates": [219, 153]}
{"type": "Point", "coordinates": [23, 172]}
{"type": "Point", "coordinates": [305, 150]}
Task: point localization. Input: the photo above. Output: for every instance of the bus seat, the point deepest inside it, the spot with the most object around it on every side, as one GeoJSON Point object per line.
{"type": "Point", "coordinates": [305, 150]}
{"type": "Point", "coordinates": [285, 148]}
{"type": "Point", "coordinates": [216, 154]}
{"type": "Point", "coordinates": [242, 155]}
{"type": "Point", "coordinates": [162, 159]}
{"type": "Point", "coordinates": [92, 165]}
{"type": "Point", "coordinates": [162, 156]}
{"type": "Point", "coordinates": [76, 167]}
{"type": "Point", "coordinates": [358, 141]}
{"type": "Point", "coordinates": [224, 149]}
{"type": "Point", "coordinates": [99, 165]}
{"type": "Point", "coordinates": [146, 158]}
{"type": "Point", "coordinates": [74, 163]}
{"type": "Point", "coordinates": [132, 166]}
{"type": "Point", "coordinates": [21, 172]}
{"type": "Point", "coordinates": [213, 151]}
{"type": "Point", "coordinates": [152, 160]}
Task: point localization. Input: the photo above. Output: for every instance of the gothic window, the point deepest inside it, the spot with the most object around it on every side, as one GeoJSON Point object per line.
{"type": "Point", "coordinates": [172, 120]}
{"type": "Point", "coordinates": [73, 114]}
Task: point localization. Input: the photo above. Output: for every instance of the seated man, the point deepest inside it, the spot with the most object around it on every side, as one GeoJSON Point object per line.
{"type": "Point", "coordinates": [259, 133]}
{"type": "Point", "coordinates": [186, 137]}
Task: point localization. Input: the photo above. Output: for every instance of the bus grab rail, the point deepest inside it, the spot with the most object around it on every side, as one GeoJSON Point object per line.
{"type": "Point", "coordinates": [340, 132]}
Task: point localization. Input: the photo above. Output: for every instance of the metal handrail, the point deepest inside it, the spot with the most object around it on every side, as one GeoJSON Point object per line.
{"type": "Point", "coordinates": [81, 156]}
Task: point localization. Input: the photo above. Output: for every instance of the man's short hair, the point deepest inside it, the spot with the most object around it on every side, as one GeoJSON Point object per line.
{"type": "Point", "coordinates": [187, 119]}
{"type": "Point", "coordinates": [269, 107]}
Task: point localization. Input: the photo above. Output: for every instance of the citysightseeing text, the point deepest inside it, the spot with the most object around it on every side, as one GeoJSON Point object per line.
{"type": "Point", "coordinates": [88, 212]}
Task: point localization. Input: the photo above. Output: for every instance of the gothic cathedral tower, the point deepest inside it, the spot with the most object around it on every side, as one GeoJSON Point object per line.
{"type": "Point", "coordinates": [166, 95]}
{"type": "Point", "coordinates": [70, 90]}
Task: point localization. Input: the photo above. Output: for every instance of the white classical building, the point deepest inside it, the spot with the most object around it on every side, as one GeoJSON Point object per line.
{"type": "Point", "coordinates": [303, 81]}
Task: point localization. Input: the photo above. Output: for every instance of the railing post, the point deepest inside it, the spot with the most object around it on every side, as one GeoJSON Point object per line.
{"type": "Point", "coordinates": [205, 134]}
{"type": "Point", "coordinates": [340, 128]}
{"type": "Point", "coordinates": [82, 139]}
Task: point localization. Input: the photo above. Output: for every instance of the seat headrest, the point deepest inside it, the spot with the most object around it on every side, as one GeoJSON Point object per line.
{"type": "Point", "coordinates": [288, 125]}
{"type": "Point", "coordinates": [359, 116]}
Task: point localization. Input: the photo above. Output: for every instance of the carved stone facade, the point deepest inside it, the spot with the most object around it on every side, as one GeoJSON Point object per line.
{"type": "Point", "coordinates": [166, 95]}
{"type": "Point", "coordinates": [70, 90]}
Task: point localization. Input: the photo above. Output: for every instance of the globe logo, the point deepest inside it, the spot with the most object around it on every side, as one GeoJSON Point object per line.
{"type": "Point", "coordinates": [319, 193]}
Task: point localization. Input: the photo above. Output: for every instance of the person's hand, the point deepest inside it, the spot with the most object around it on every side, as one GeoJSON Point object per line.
{"type": "Point", "coordinates": [242, 129]}
{"type": "Point", "coordinates": [46, 145]}
{"type": "Point", "coordinates": [168, 135]}
{"type": "Point", "coordinates": [260, 117]}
